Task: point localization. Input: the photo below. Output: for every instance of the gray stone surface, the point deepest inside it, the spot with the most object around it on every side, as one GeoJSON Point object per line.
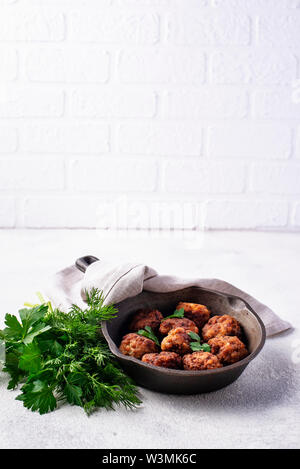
{"type": "Point", "coordinates": [260, 410]}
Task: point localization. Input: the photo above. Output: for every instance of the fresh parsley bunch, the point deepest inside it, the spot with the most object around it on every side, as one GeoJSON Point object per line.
{"type": "Point", "coordinates": [63, 357]}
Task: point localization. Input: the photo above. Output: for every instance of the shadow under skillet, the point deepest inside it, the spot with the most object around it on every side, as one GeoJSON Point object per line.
{"type": "Point", "coordinates": [265, 384]}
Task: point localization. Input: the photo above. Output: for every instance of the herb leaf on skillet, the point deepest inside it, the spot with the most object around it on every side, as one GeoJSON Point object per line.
{"type": "Point", "coordinates": [197, 346]}
{"type": "Point", "coordinates": [148, 332]}
{"type": "Point", "coordinates": [179, 313]}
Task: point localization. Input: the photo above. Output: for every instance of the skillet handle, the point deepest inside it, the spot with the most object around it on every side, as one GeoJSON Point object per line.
{"type": "Point", "coordinates": [83, 262]}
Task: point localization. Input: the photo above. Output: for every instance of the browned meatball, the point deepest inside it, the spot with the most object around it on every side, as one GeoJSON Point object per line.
{"type": "Point", "coordinates": [201, 361]}
{"type": "Point", "coordinates": [137, 345]}
{"type": "Point", "coordinates": [228, 349]}
{"type": "Point", "coordinates": [171, 323]}
{"type": "Point", "coordinates": [165, 359]}
{"type": "Point", "coordinates": [144, 318]}
{"type": "Point", "coordinates": [197, 313]}
{"type": "Point", "coordinates": [221, 325]}
{"type": "Point", "coordinates": [177, 341]}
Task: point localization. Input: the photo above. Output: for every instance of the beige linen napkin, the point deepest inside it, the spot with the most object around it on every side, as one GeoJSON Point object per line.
{"type": "Point", "coordinates": [119, 282]}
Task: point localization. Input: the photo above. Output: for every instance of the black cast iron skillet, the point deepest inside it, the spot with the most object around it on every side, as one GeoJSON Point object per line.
{"type": "Point", "coordinates": [179, 381]}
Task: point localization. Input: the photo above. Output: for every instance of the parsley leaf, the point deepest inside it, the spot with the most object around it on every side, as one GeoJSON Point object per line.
{"type": "Point", "coordinates": [52, 346]}
{"type": "Point", "coordinates": [73, 394]}
{"type": "Point", "coordinates": [179, 313]}
{"type": "Point", "coordinates": [38, 396]}
{"type": "Point", "coordinates": [205, 347]}
{"type": "Point", "coordinates": [148, 332]}
{"type": "Point", "coordinates": [29, 317]}
{"type": "Point", "coordinates": [11, 366]}
{"type": "Point", "coordinates": [35, 331]}
{"type": "Point", "coordinates": [197, 346]}
{"type": "Point", "coordinates": [194, 336]}
{"type": "Point", "coordinates": [28, 328]}
{"type": "Point", "coordinates": [14, 329]}
{"type": "Point", "coordinates": [30, 359]}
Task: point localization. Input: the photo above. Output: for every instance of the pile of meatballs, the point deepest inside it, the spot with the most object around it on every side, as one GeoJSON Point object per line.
{"type": "Point", "coordinates": [223, 334]}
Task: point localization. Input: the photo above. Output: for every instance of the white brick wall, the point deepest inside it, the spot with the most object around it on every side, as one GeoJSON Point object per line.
{"type": "Point", "coordinates": [31, 101]}
{"type": "Point", "coordinates": [250, 141]}
{"type": "Point", "coordinates": [171, 103]}
{"type": "Point", "coordinates": [65, 138]}
{"type": "Point", "coordinates": [161, 139]}
{"type": "Point", "coordinates": [67, 64]}
{"type": "Point", "coordinates": [113, 175]}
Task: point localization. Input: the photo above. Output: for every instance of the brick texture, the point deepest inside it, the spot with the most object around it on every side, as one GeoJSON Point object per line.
{"type": "Point", "coordinates": [9, 64]}
{"type": "Point", "coordinates": [161, 139]}
{"type": "Point", "coordinates": [28, 174]}
{"type": "Point", "coordinates": [31, 24]}
{"type": "Point", "coordinates": [112, 102]}
{"type": "Point", "coordinates": [207, 103]}
{"type": "Point", "coordinates": [113, 175]}
{"type": "Point", "coordinates": [250, 141]}
{"type": "Point", "coordinates": [256, 67]}
{"type": "Point", "coordinates": [114, 26]}
{"type": "Point", "coordinates": [216, 28]}
{"type": "Point", "coordinates": [189, 108]}
{"type": "Point", "coordinates": [66, 138]}
{"type": "Point", "coordinates": [203, 178]}
{"type": "Point", "coordinates": [68, 64]}
{"type": "Point", "coordinates": [7, 212]}
{"type": "Point", "coordinates": [174, 66]}
{"type": "Point", "coordinates": [276, 179]}
{"type": "Point", "coordinates": [29, 101]}
{"type": "Point", "coordinates": [296, 215]}
{"type": "Point", "coordinates": [246, 214]}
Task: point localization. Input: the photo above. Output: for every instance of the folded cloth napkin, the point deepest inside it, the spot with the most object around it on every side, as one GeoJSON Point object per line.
{"type": "Point", "coordinates": [119, 282]}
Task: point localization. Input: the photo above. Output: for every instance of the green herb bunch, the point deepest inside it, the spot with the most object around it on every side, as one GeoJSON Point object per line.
{"type": "Point", "coordinates": [63, 357]}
